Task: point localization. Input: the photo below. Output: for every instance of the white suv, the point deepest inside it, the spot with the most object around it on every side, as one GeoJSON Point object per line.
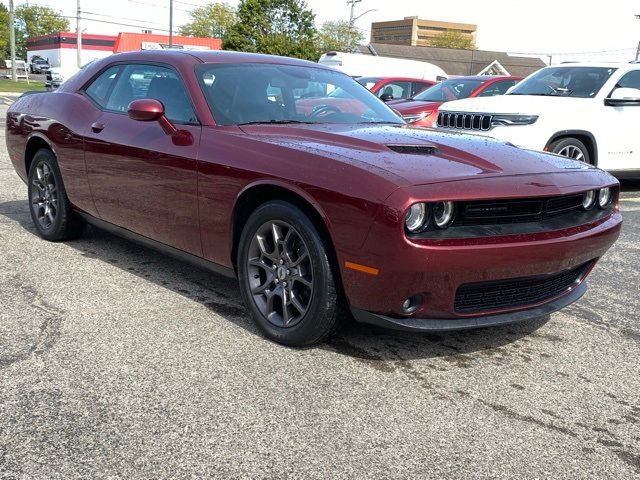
{"type": "Point", "coordinates": [589, 112]}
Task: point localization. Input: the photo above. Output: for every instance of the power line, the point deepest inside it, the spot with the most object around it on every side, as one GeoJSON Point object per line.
{"type": "Point", "coordinates": [123, 18]}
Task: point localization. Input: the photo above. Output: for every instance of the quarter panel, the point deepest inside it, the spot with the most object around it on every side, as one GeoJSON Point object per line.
{"type": "Point", "coordinates": [61, 120]}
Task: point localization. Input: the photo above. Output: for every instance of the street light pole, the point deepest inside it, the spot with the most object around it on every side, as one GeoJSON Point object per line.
{"type": "Point", "coordinates": [352, 17]}
{"type": "Point", "coordinates": [170, 23]}
{"type": "Point", "coordinates": [79, 36]}
{"type": "Point", "coordinates": [12, 40]}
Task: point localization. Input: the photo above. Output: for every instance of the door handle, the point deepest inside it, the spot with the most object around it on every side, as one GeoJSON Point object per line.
{"type": "Point", "coordinates": [97, 127]}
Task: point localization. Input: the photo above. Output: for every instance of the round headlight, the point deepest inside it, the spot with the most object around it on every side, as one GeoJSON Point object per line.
{"type": "Point", "coordinates": [416, 217]}
{"type": "Point", "coordinates": [604, 197]}
{"type": "Point", "coordinates": [443, 214]}
{"type": "Point", "coordinates": [589, 200]}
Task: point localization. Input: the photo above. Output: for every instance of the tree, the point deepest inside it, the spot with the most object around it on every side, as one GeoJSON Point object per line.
{"type": "Point", "coordinates": [211, 20]}
{"type": "Point", "coordinates": [339, 36]}
{"type": "Point", "coordinates": [453, 39]}
{"type": "Point", "coordinates": [277, 27]}
{"type": "Point", "coordinates": [34, 20]}
{"type": "Point", "coordinates": [5, 48]}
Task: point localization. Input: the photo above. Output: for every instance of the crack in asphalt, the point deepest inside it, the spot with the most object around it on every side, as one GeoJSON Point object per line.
{"type": "Point", "coordinates": [49, 329]}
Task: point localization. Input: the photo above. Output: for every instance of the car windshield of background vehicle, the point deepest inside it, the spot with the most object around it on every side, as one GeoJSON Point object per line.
{"type": "Point", "coordinates": [241, 94]}
{"type": "Point", "coordinates": [581, 82]}
{"type": "Point", "coordinates": [449, 90]}
{"type": "Point", "coordinates": [368, 82]}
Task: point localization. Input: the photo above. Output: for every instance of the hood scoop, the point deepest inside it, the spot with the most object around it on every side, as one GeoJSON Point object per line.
{"type": "Point", "coordinates": [414, 149]}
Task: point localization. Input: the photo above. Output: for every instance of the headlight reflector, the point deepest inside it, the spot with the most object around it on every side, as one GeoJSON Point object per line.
{"type": "Point", "coordinates": [513, 119]}
{"type": "Point", "coordinates": [414, 117]}
{"type": "Point", "coordinates": [443, 214]}
{"type": "Point", "coordinates": [589, 200]}
{"type": "Point", "coordinates": [604, 197]}
{"type": "Point", "coordinates": [416, 218]}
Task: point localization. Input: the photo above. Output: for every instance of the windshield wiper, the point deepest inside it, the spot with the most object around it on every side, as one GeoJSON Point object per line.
{"type": "Point", "coordinates": [275, 122]}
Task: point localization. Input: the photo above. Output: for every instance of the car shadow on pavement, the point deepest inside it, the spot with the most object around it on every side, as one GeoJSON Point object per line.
{"type": "Point", "coordinates": [221, 295]}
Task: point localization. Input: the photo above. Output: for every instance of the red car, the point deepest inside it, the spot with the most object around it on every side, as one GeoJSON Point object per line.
{"type": "Point", "coordinates": [206, 156]}
{"type": "Point", "coordinates": [395, 88]}
{"type": "Point", "coordinates": [422, 109]}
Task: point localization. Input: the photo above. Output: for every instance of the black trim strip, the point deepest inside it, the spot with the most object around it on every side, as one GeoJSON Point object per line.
{"type": "Point", "coordinates": [161, 247]}
{"type": "Point", "coordinates": [57, 41]}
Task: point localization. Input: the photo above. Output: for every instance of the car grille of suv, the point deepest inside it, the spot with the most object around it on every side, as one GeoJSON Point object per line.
{"type": "Point", "coordinates": [485, 296]}
{"type": "Point", "coordinates": [465, 121]}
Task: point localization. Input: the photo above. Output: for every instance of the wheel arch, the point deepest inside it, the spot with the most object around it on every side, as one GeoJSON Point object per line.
{"type": "Point", "coordinates": [258, 193]}
{"type": "Point", "coordinates": [584, 136]}
{"type": "Point", "coordinates": [35, 143]}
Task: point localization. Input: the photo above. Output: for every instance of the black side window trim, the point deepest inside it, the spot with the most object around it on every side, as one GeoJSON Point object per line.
{"type": "Point", "coordinates": [123, 65]}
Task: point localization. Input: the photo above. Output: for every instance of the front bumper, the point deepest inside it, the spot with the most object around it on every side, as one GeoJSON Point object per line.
{"type": "Point", "coordinates": [411, 324]}
{"type": "Point", "coordinates": [435, 269]}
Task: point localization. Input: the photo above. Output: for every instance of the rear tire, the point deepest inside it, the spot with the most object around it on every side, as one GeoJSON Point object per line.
{"type": "Point", "coordinates": [286, 278]}
{"type": "Point", "coordinates": [571, 148]}
{"type": "Point", "coordinates": [51, 211]}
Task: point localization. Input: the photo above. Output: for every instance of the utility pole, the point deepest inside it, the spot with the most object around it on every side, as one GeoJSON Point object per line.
{"type": "Point", "coordinates": [79, 36]}
{"type": "Point", "coordinates": [638, 50]}
{"type": "Point", "coordinates": [352, 16]}
{"type": "Point", "coordinates": [170, 23]}
{"type": "Point", "coordinates": [12, 39]}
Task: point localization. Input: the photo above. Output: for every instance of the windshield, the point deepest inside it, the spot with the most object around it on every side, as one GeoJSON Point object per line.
{"type": "Point", "coordinates": [368, 82]}
{"type": "Point", "coordinates": [449, 90]}
{"type": "Point", "coordinates": [582, 82]}
{"type": "Point", "coordinates": [267, 93]}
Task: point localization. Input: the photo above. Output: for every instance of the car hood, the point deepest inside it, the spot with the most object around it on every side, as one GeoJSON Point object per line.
{"type": "Point", "coordinates": [415, 155]}
{"type": "Point", "coordinates": [413, 106]}
{"type": "Point", "coordinates": [518, 104]}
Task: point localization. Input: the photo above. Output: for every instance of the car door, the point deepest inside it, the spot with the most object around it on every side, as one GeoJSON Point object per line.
{"type": "Point", "coordinates": [618, 141]}
{"type": "Point", "coordinates": [141, 178]}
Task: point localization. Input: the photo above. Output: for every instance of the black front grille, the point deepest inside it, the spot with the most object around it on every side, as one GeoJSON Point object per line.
{"type": "Point", "coordinates": [516, 210]}
{"type": "Point", "coordinates": [485, 296]}
{"type": "Point", "coordinates": [465, 121]}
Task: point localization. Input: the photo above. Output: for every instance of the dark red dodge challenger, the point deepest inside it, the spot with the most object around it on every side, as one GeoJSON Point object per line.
{"type": "Point", "coordinates": [207, 156]}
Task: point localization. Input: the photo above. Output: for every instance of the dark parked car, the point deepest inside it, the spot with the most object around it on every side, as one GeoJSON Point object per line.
{"type": "Point", "coordinates": [422, 109]}
{"type": "Point", "coordinates": [394, 88]}
{"type": "Point", "coordinates": [206, 156]}
{"type": "Point", "coordinates": [39, 65]}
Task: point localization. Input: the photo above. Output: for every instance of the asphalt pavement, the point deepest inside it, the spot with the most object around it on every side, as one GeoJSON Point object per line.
{"type": "Point", "coordinates": [120, 362]}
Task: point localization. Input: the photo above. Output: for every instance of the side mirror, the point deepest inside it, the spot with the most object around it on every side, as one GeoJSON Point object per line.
{"type": "Point", "coordinates": [386, 97]}
{"type": "Point", "coordinates": [151, 110]}
{"type": "Point", "coordinates": [623, 96]}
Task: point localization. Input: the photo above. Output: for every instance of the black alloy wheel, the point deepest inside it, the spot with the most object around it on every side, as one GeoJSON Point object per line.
{"type": "Point", "coordinates": [51, 211]}
{"type": "Point", "coordinates": [286, 278]}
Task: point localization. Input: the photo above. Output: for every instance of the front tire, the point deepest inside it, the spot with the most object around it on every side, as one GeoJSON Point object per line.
{"type": "Point", "coordinates": [286, 278]}
{"type": "Point", "coordinates": [50, 209]}
{"type": "Point", "coordinates": [571, 148]}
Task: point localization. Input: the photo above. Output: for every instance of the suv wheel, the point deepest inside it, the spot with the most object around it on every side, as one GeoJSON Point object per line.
{"type": "Point", "coordinates": [571, 148]}
{"type": "Point", "coordinates": [286, 278]}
